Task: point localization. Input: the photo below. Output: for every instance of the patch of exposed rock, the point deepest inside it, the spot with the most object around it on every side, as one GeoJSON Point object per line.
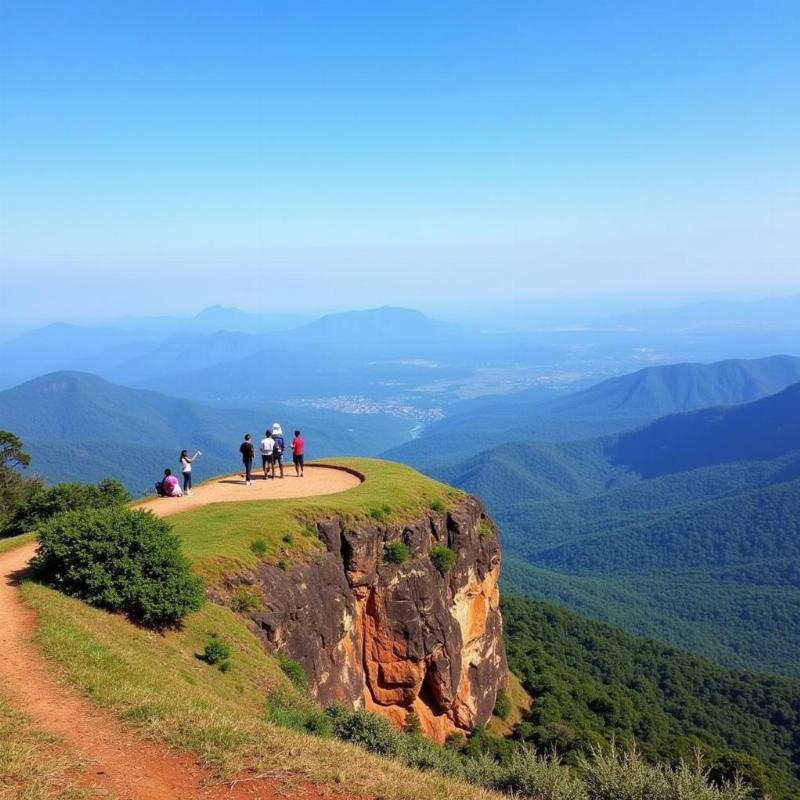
{"type": "Point", "coordinates": [396, 638]}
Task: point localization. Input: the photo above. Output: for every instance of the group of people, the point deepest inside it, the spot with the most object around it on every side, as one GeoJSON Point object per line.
{"type": "Point", "coordinates": [272, 447]}
{"type": "Point", "coordinates": [169, 485]}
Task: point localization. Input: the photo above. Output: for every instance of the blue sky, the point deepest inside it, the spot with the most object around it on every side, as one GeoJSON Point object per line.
{"type": "Point", "coordinates": [158, 157]}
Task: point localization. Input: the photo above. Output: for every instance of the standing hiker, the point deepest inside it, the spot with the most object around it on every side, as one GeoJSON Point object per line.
{"type": "Point", "coordinates": [186, 469]}
{"type": "Point", "coordinates": [248, 454]}
{"type": "Point", "coordinates": [298, 451]}
{"type": "Point", "coordinates": [278, 448]}
{"type": "Point", "coordinates": [267, 447]}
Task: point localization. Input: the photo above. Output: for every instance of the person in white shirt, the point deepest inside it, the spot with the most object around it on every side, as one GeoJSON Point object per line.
{"type": "Point", "coordinates": [267, 448]}
{"type": "Point", "coordinates": [186, 469]}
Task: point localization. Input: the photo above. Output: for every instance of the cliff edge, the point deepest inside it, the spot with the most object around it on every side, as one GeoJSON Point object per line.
{"type": "Point", "coordinates": [396, 629]}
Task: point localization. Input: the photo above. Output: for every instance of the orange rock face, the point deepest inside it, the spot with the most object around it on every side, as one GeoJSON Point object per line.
{"type": "Point", "coordinates": [395, 638]}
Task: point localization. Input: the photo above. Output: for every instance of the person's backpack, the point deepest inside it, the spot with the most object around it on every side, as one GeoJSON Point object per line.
{"type": "Point", "coordinates": [159, 487]}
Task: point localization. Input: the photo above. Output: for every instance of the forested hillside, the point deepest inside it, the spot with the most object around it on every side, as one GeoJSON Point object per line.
{"type": "Point", "coordinates": [687, 529]}
{"type": "Point", "coordinates": [593, 683]}
{"type": "Point", "coordinates": [614, 405]}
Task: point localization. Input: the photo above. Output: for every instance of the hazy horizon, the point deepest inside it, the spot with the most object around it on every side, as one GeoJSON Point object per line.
{"type": "Point", "coordinates": [547, 310]}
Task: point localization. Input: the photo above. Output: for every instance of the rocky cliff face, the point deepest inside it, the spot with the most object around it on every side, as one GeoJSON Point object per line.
{"type": "Point", "coordinates": [397, 638]}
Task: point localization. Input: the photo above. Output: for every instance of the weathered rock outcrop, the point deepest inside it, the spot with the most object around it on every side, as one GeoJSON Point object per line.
{"type": "Point", "coordinates": [397, 638]}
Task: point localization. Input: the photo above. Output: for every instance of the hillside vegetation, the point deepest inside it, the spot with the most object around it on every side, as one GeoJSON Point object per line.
{"type": "Point", "coordinates": [209, 687]}
{"type": "Point", "coordinates": [685, 529]}
{"type": "Point", "coordinates": [613, 405]}
{"type": "Point", "coordinates": [593, 683]}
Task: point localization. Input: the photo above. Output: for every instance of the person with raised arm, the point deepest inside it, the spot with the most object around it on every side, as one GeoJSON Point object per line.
{"type": "Point", "coordinates": [186, 469]}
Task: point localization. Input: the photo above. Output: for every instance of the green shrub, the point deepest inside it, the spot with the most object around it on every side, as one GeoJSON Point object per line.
{"type": "Point", "coordinates": [611, 774]}
{"type": "Point", "coordinates": [438, 506]}
{"type": "Point", "coordinates": [530, 775]}
{"type": "Point", "coordinates": [121, 560]}
{"type": "Point", "coordinates": [46, 502]}
{"type": "Point", "coordinates": [364, 728]}
{"type": "Point", "coordinates": [443, 558]}
{"type": "Point", "coordinates": [413, 724]}
{"type": "Point", "coordinates": [486, 531]}
{"type": "Point", "coordinates": [283, 564]}
{"type": "Point", "coordinates": [217, 654]}
{"type": "Point", "coordinates": [457, 740]}
{"type": "Point", "coordinates": [381, 514]}
{"type": "Point", "coordinates": [751, 770]}
{"type": "Point", "coordinates": [396, 552]}
{"type": "Point", "coordinates": [259, 548]}
{"type": "Point", "coordinates": [287, 538]}
{"type": "Point", "coordinates": [293, 670]}
{"type": "Point", "coordinates": [502, 704]}
{"type": "Point", "coordinates": [245, 598]}
{"type": "Point", "coordinates": [290, 710]}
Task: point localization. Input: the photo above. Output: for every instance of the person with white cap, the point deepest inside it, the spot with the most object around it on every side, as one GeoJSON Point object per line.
{"type": "Point", "coordinates": [277, 448]}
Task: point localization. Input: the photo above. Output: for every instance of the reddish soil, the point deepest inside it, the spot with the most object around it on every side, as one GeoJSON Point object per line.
{"type": "Point", "coordinates": [318, 480]}
{"type": "Point", "coordinates": [119, 762]}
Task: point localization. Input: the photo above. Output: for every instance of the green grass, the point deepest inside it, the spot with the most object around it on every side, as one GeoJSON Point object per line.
{"type": "Point", "coordinates": [15, 541]}
{"type": "Point", "coordinates": [34, 765]}
{"type": "Point", "coordinates": [158, 683]}
{"type": "Point", "coordinates": [219, 538]}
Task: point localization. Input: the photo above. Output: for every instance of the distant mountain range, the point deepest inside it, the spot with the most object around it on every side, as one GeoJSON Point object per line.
{"type": "Point", "coordinates": [384, 353]}
{"type": "Point", "coordinates": [80, 427]}
{"type": "Point", "coordinates": [771, 312]}
{"type": "Point", "coordinates": [687, 529]}
{"type": "Point", "coordinates": [613, 405]}
{"type": "Point", "coordinates": [213, 319]}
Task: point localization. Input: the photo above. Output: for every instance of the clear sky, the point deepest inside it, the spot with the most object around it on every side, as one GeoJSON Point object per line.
{"type": "Point", "coordinates": [162, 156]}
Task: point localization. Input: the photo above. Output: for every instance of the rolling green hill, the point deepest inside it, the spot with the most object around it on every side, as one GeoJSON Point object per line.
{"type": "Point", "coordinates": [614, 405]}
{"type": "Point", "coordinates": [80, 427]}
{"type": "Point", "coordinates": [686, 529]}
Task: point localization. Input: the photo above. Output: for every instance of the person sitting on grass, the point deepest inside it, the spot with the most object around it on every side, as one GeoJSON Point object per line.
{"type": "Point", "coordinates": [169, 485]}
{"type": "Point", "coordinates": [267, 446]}
{"type": "Point", "coordinates": [298, 450]}
{"type": "Point", "coordinates": [278, 448]}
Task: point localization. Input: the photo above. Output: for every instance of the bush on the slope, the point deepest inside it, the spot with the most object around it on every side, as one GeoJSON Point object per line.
{"type": "Point", "coordinates": [396, 552]}
{"type": "Point", "coordinates": [502, 704]}
{"type": "Point", "coordinates": [121, 560]}
{"type": "Point", "coordinates": [613, 775]}
{"type": "Point", "coordinates": [293, 670]}
{"type": "Point", "coordinates": [514, 769]}
{"type": "Point", "coordinates": [48, 501]}
{"type": "Point", "coordinates": [217, 654]}
{"type": "Point", "coordinates": [443, 558]}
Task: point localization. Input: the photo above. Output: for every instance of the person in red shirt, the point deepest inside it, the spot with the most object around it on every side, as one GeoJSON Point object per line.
{"type": "Point", "coordinates": [298, 451]}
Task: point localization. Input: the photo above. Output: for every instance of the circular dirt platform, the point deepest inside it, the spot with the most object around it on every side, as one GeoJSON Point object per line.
{"type": "Point", "coordinates": [318, 480]}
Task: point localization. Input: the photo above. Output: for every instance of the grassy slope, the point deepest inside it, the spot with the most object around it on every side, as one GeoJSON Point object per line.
{"type": "Point", "coordinates": [33, 765]}
{"type": "Point", "coordinates": [217, 538]}
{"type": "Point", "coordinates": [15, 541]}
{"type": "Point", "coordinates": [157, 683]}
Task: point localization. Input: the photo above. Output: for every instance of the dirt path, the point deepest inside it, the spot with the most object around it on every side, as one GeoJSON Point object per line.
{"type": "Point", "coordinates": [318, 480]}
{"type": "Point", "coordinates": [121, 763]}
